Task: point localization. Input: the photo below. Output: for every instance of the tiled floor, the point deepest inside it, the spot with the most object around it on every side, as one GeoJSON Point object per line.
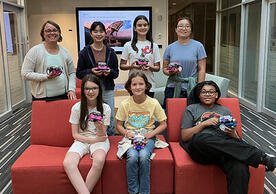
{"type": "Point", "coordinates": [258, 129]}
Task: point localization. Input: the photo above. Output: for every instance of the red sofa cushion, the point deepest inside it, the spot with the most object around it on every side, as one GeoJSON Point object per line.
{"type": "Point", "coordinates": [78, 89]}
{"type": "Point", "coordinates": [176, 107]}
{"type": "Point", "coordinates": [40, 170]}
{"type": "Point", "coordinates": [50, 123]}
{"type": "Point", "coordinates": [114, 173]}
{"type": "Point", "coordinates": [192, 177]}
{"type": "Point", "coordinates": [78, 83]}
{"type": "Point", "coordinates": [78, 93]}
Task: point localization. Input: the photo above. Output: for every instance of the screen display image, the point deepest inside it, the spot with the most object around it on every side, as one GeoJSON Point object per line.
{"type": "Point", "coordinates": [118, 23]}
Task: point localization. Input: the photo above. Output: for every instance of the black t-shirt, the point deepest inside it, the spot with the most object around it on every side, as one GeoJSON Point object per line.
{"type": "Point", "coordinates": [196, 113]}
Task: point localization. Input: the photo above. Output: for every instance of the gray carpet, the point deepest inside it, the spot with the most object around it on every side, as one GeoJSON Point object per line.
{"type": "Point", "coordinates": [258, 129]}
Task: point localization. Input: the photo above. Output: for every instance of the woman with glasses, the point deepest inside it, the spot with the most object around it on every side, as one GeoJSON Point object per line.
{"type": "Point", "coordinates": [99, 59]}
{"type": "Point", "coordinates": [50, 67]}
{"type": "Point", "coordinates": [208, 142]}
{"type": "Point", "coordinates": [184, 61]}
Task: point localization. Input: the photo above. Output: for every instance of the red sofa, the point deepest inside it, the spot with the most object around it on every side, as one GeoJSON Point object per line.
{"type": "Point", "coordinates": [40, 168]}
{"type": "Point", "coordinates": [191, 177]}
{"type": "Point", "coordinates": [78, 89]}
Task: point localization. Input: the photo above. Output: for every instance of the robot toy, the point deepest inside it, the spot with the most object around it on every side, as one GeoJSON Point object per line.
{"type": "Point", "coordinates": [173, 67]}
{"type": "Point", "coordinates": [139, 141]}
{"type": "Point", "coordinates": [54, 70]}
{"type": "Point", "coordinates": [227, 121]}
{"type": "Point", "coordinates": [102, 66]}
{"type": "Point", "coordinates": [95, 116]}
{"type": "Point", "coordinates": [142, 61]}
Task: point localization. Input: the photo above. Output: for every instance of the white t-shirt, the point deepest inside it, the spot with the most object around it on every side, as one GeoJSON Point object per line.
{"type": "Point", "coordinates": [143, 46]}
{"type": "Point", "coordinates": [75, 118]}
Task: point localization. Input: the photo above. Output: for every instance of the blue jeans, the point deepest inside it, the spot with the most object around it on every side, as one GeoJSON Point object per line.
{"type": "Point", "coordinates": [108, 97]}
{"type": "Point", "coordinates": [138, 169]}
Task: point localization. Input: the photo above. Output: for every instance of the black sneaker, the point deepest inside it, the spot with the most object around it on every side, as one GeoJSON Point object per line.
{"type": "Point", "coordinates": [270, 162]}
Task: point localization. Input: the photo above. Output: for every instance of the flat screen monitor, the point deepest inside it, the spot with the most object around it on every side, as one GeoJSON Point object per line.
{"type": "Point", "coordinates": [118, 22]}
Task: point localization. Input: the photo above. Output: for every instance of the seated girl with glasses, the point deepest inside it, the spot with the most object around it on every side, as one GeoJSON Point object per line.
{"type": "Point", "coordinates": [207, 143]}
{"type": "Point", "coordinates": [89, 134]}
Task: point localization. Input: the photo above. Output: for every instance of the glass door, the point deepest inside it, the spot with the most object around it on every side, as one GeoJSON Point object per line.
{"type": "Point", "coordinates": [251, 52]}
{"type": "Point", "coordinates": [14, 54]}
{"type": "Point", "coordinates": [3, 91]}
{"type": "Point", "coordinates": [270, 87]}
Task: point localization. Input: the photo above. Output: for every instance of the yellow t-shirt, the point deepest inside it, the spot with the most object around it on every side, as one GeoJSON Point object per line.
{"type": "Point", "coordinates": [142, 115]}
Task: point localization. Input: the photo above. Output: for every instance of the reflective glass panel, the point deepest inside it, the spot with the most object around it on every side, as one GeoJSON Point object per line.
{"type": "Point", "coordinates": [230, 47]}
{"type": "Point", "coordinates": [3, 96]}
{"type": "Point", "coordinates": [270, 91]}
{"type": "Point", "coordinates": [251, 55]}
{"type": "Point", "coordinates": [14, 57]}
{"type": "Point", "coordinates": [229, 3]}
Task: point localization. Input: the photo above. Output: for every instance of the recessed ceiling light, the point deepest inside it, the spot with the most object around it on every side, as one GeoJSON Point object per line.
{"type": "Point", "coordinates": [174, 3]}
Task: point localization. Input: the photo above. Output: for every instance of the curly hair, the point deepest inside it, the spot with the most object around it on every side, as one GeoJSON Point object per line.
{"type": "Point", "coordinates": [195, 93]}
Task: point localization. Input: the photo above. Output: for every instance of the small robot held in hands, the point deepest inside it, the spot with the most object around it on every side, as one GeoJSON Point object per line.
{"type": "Point", "coordinates": [95, 116]}
{"type": "Point", "coordinates": [227, 121]}
{"type": "Point", "coordinates": [142, 60]}
{"type": "Point", "coordinates": [174, 67]}
{"type": "Point", "coordinates": [54, 70]}
{"type": "Point", "coordinates": [139, 141]}
{"type": "Point", "coordinates": [102, 66]}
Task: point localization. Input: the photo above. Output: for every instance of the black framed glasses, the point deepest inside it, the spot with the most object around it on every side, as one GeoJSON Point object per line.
{"type": "Point", "coordinates": [48, 31]}
{"type": "Point", "coordinates": [208, 93]}
{"type": "Point", "coordinates": [93, 89]}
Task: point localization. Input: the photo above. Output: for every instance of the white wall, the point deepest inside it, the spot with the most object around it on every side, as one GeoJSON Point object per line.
{"type": "Point", "coordinates": [63, 13]}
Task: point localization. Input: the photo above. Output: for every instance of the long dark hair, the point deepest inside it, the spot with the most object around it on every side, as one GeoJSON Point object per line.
{"type": "Point", "coordinates": [93, 27]}
{"type": "Point", "coordinates": [84, 107]}
{"type": "Point", "coordinates": [135, 34]}
{"type": "Point", "coordinates": [55, 25]}
{"type": "Point", "coordinates": [194, 95]}
{"type": "Point", "coordinates": [137, 74]}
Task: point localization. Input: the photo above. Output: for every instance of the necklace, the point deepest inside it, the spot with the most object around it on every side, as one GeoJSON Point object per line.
{"type": "Point", "coordinates": [97, 49]}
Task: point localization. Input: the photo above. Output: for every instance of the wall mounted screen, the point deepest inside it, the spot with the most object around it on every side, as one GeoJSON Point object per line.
{"type": "Point", "coordinates": [118, 22]}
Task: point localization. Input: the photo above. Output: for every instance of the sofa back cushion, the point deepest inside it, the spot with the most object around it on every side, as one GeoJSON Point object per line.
{"type": "Point", "coordinates": [176, 107]}
{"type": "Point", "coordinates": [222, 83]}
{"type": "Point", "coordinates": [160, 79]}
{"type": "Point", "coordinates": [50, 123]}
{"type": "Point", "coordinates": [78, 83]}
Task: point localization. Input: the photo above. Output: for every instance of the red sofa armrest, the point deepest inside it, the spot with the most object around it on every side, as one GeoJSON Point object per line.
{"type": "Point", "coordinates": [176, 107]}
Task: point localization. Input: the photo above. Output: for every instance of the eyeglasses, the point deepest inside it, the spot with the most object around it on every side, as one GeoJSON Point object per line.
{"type": "Point", "coordinates": [184, 27]}
{"type": "Point", "coordinates": [51, 31]}
{"type": "Point", "coordinates": [210, 92]}
{"type": "Point", "coordinates": [93, 89]}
